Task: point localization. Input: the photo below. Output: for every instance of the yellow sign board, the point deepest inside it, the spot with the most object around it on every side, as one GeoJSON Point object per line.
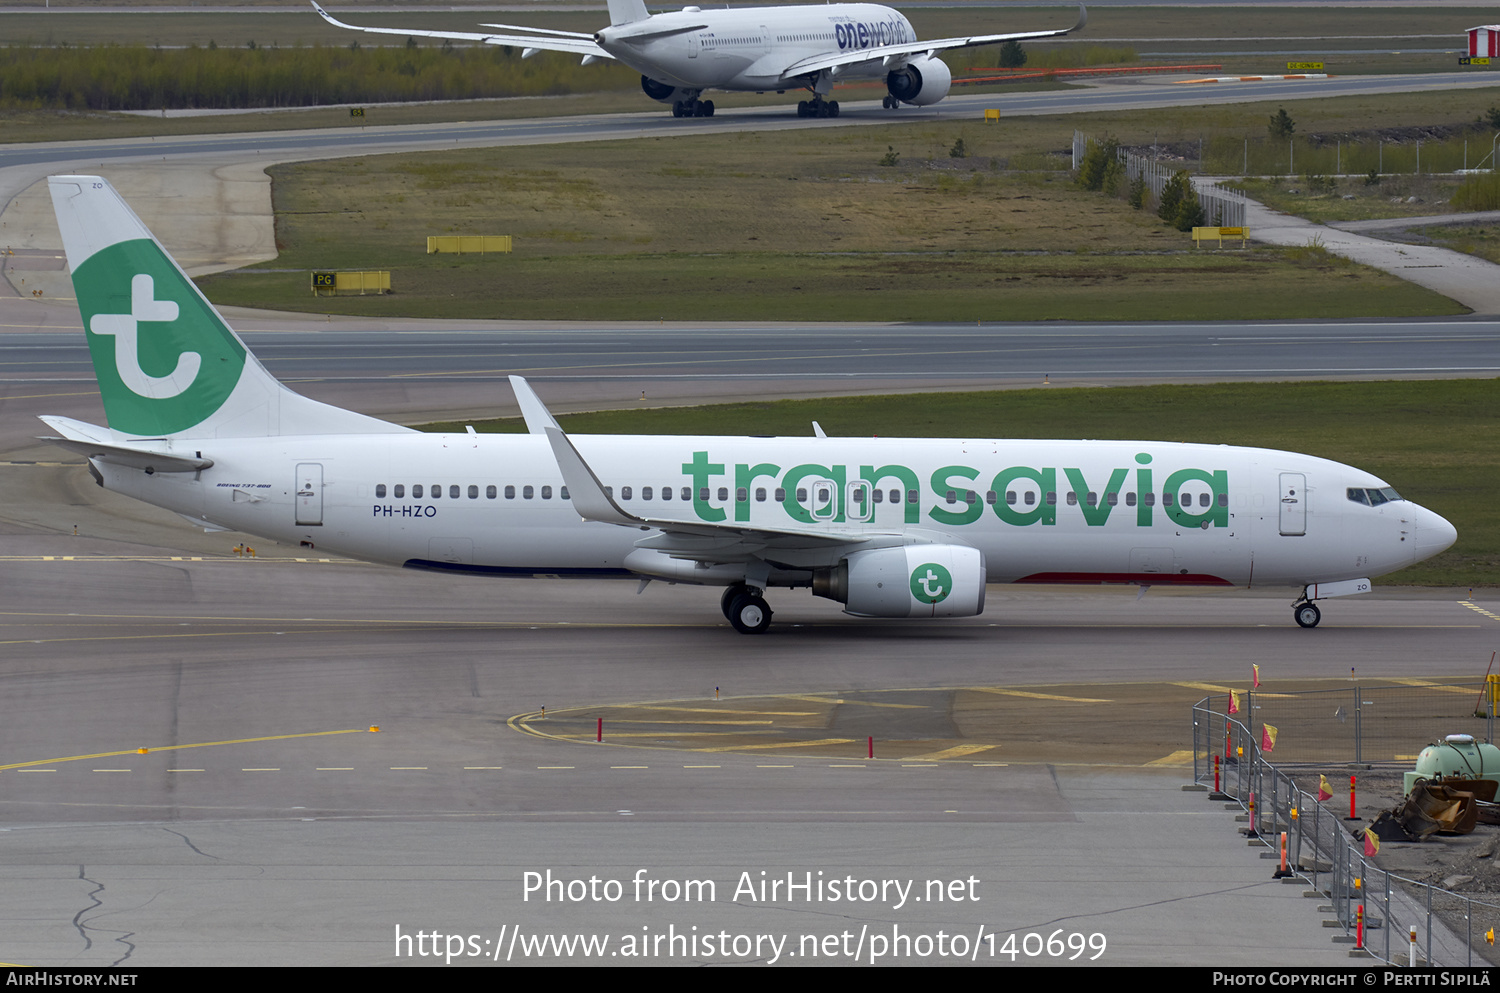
{"type": "Point", "coordinates": [1474, 60]}
{"type": "Point", "coordinates": [1304, 67]}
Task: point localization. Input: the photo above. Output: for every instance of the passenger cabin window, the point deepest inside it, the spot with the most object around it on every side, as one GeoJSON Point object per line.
{"type": "Point", "coordinates": [510, 493]}
{"type": "Point", "coordinates": [474, 491]}
{"type": "Point", "coordinates": [453, 491]}
{"type": "Point", "coordinates": [400, 490]}
{"type": "Point", "coordinates": [416, 492]}
{"type": "Point", "coordinates": [489, 492]}
{"type": "Point", "coordinates": [380, 491]}
{"type": "Point", "coordinates": [527, 492]}
{"type": "Point", "coordinates": [546, 493]}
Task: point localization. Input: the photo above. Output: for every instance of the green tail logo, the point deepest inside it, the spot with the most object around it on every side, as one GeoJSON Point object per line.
{"type": "Point", "coordinates": [164, 359]}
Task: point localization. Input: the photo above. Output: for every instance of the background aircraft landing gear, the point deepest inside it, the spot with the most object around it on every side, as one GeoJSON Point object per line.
{"type": "Point", "coordinates": [1307, 613]}
{"type": "Point", "coordinates": [890, 103]}
{"type": "Point", "coordinates": [746, 609]}
{"type": "Point", "coordinates": [693, 108]}
{"type": "Point", "coordinates": [817, 107]}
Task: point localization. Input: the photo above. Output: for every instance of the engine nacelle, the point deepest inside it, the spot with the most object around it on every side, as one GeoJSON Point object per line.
{"type": "Point", "coordinates": [909, 581]}
{"type": "Point", "coordinates": [922, 81]}
{"type": "Point", "coordinates": [660, 91]}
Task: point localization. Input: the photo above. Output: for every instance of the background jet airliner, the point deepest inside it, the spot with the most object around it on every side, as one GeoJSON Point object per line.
{"type": "Point", "coordinates": [889, 527]}
{"type": "Point", "coordinates": [682, 53]}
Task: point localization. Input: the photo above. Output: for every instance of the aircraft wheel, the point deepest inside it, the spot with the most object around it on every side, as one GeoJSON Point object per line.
{"type": "Point", "coordinates": [820, 109]}
{"type": "Point", "coordinates": [708, 108]}
{"type": "Point", "coordinates": [833, 108]}
{"type": "Point", "coordinates": [749, 614]}
{"type": "Point", "coordinates": [1307, 614]}
{"type": "Point", "coordinates": [730, 592]}
{"type": "Point", "coordinates": [801, 108]}
{"type": "Point", "coordinates": [677, 109]}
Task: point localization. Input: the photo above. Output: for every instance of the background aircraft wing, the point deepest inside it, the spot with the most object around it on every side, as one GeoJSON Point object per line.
{"type": "Point", "coordinates": [893, 55]}
{"type": "Point", "coordinates": [538, 39]}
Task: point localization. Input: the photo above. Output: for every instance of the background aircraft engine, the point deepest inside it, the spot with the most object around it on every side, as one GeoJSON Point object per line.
{"type": "Point", "coordinates": [923, 81]}
{"type": "Point", "coordinates": [909, 581]}
{"type": "Point", "coordinates": [660, 91]}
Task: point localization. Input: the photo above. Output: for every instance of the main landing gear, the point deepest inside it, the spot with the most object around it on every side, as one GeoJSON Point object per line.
{"type": "Point", "coordinates": [890, 103]}
{"type": "Point", "coordinates": [693, 108]}
{"type": "Point", "coordinates": [1306, 612]}
{"type": "Point", "coordinates": [817, 107]}
{"type": "Point", "coordinates": [746, 609]}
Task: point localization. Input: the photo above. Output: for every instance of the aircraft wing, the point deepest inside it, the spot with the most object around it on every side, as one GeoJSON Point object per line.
{"type": "Point", "coordinates": [537, 39]}
{"type": "Point", "coordinates": [593, 503]}
{"type": "Point", "coordinates": [894, 54]}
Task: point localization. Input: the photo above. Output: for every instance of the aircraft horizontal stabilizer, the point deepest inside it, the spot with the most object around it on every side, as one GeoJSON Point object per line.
{"type": "Point", "coordinates": [134, 458]}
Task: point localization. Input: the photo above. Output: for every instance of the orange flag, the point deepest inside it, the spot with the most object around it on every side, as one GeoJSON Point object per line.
{"type": "Point", "coordinates": [1372, 844]}
{"type": "Point", "coordinates": [1234, 702]}
{"type": "Point", "coordinates": [1257, 675]}
{"type": "Point", "coordinates": [1325, 792]}
{"type": "Point", "coordinates": [1267, 737]}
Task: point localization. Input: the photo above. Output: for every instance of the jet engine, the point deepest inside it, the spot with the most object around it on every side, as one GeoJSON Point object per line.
{"type": "Point", "coordinates": [922, 81]}
{"type": "Point", "coordinates": [661, 91]}
{"type": "Point", "coordinates": [908, 581]}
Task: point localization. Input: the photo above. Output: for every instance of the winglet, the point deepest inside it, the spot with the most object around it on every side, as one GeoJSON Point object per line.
{"type": "Point", "coordinates": [538, 418]}
{"type": "Point", "coordinates": [584, 488]}
{"type": "Point", "coordinates": [1083, 19]}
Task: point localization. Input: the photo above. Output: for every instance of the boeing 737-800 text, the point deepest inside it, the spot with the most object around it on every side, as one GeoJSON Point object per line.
{"type": "Point", "coordinates": [889, 527]}
{"type": "Point", "coordinates": [683, 53]}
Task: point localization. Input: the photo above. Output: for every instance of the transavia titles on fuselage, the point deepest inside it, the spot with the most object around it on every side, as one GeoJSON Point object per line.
{"type": "Point", "coordinates": [889, 527]}
{"type": "Point", "coordinates": [683, 53]}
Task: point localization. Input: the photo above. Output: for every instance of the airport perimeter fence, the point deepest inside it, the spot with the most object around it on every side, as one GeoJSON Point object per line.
{"type": "Point", "coordinates": [1325, 847]}
{"type": "Point", "coordinates": [1221, 207]}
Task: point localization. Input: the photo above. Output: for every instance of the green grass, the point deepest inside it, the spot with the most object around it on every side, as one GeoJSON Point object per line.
{"type": "Point", "coordinates": [1437, 442]}
{"type": "Point", "coordinates": [803, 225]}
{"type": "Point", "coordinates": [1482, 240]}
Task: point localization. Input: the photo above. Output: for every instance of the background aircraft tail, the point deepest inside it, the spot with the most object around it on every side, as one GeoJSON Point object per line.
{"type": "Point", "coordinates": [626, 11]}
{"type": "Point", "coordinates": [168, 365]}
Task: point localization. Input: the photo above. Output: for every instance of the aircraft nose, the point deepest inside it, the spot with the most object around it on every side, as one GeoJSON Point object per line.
{"type": "Point", "coordinates": [1434, 534]}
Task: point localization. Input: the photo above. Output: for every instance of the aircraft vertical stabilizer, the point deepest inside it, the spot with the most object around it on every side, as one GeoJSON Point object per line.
{"type": "Point", "coordinates": [168, 365]}
{"type": "Point", "coordinates": [627, 11]}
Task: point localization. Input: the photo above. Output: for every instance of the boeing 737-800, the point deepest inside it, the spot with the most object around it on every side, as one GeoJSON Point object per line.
{"type": "Point", "coordinates": [683, 53]}
{"type": "Point", "coordinates": [889, 527]}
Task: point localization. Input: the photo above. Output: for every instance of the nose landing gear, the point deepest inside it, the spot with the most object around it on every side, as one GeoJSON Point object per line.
{"type": "Point", "coordinates": [1306, 613]}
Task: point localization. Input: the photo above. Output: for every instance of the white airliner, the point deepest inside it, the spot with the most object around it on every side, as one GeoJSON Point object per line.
{"type": "Point", "coordinates": [683, 53]}
{"type": "Point", "coordinates": [889, 527]}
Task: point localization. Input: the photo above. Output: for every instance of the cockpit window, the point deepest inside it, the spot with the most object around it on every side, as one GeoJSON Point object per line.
{"type": "Point", "coordinates": [1373, 497]}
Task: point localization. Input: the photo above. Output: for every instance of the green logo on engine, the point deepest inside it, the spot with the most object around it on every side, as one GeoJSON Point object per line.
{"type": "Point", "coordinates": [164, 360]}
{"type": "Point", "coordinates": [931, 583]}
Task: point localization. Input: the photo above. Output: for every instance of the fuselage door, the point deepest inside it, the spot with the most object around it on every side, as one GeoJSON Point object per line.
{"type": "Point", "coordinates": [858, 505]}
{"type": "Point", "coordinates": [309, 493]}
{"type": "Point", "coordinates": [821, 498]}
{"type": "Point", "coordinates": [1293, 503]}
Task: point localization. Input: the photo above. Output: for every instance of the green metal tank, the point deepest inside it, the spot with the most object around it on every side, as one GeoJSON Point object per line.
{"type": "Point", "coordinates": [1456, 755]}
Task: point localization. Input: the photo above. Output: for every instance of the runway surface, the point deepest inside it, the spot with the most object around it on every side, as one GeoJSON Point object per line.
{"type": "Point", "coordinates": [411, 371]}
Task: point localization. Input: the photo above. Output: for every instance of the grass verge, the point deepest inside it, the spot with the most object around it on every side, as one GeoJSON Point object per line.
{"type": "Point", "coordinates": [800, 225]}
{"type": "Point", "coordinates": [1437, 442]}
